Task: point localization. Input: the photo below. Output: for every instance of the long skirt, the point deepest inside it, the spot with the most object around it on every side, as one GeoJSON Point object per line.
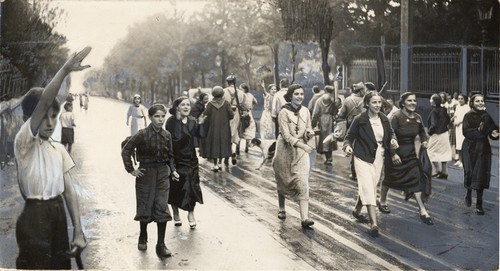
{"type": "Point", "coordinates": [291, 169]}
{"type": "Point", "coordinates": [251, 130]}
{"type": "Point", "coordinates": [266, 126]}
{"type": "Point", "coordinates": [439, 148]}
{"type": "Point", "coordinates": [187, 191]}
{"type": "Point", "coordinates": [368, 176]}
{"type": "Point", "coordinates": [459, 135]}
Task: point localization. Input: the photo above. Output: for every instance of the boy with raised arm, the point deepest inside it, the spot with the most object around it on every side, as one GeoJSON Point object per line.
{"type": "Point", "coordinates": [43, 174]}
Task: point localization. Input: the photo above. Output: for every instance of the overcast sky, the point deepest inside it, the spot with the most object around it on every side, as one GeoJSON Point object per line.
{"type": "Point", "coordinates": [101, 24]}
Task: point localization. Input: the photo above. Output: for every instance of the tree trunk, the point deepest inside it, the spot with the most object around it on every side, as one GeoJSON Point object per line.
{"type": "Point", "coordinates": [325, 49]}
{"type": "Point", "coordinates": [203, 79]}
{"type": "Point", "coordinates": [275, 51]}
{"type": "Point", "coordinates": [294, 66]}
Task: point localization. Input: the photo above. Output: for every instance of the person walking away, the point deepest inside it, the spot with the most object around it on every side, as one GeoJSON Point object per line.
{"type": "Point", "coordinates": [45, 184]}
{"type": "Point", "coordinates": [85, 101]}
{"type": "Point", "coordinates": [217, 143]}
{"type": "Point", "coordinates": [136, 113]}
{"type": "Point", "coordinates": [352, 106]}
{"type": "Point", "coordinates": [291, 163]}
{"type": "Point", "coordinates": [278, 102]}
{"type": "Point", "coordinates": [236, 98]}
{"type": "Point", "coordinates": [369, 138]}
{"type": "Point", "coordinates": [266, 125]}
{"type": "Point", "coordinates": [317, 93]}
{"type": "Point", "coordinates": [478, 126]}
{"type": "Point", "coordinates": [197, 109]}
{"type": "Point", "coordinates": [439, 148]}
{"type": "Point", "coordinates": [249, 132]}
{"type": "Point", "coordinates": [461, 110]}
{"type": "Point", "coordinates": [184, 128]}
{"type": "Point", "coordinates": [323, 117]}
{"type": "Point", "coordinates": [404, 172]}
{"type": "Point", "coordinates": [154, 151]}
{"type": "Point", "coordinates": [67, 119]}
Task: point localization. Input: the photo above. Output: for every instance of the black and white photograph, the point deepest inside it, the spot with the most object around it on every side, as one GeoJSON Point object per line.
{"type": "Point", "coordinates": [249, 134]}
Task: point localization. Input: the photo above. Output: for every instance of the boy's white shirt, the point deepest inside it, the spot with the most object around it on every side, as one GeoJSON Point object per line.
{"type": "Point", "coordinates": [41, 164]}
{"type": "Point", "coordinates": [67, 119]}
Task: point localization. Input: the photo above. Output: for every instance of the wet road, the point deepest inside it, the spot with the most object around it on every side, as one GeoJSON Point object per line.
{"type": "Point", "coordinates": [237, 225]}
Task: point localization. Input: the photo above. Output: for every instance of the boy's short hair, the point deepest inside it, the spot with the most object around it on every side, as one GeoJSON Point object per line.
{"type": "Point", "coordinates": [67, 105]}
{"type": "Point", "coordinates": [30, 101]}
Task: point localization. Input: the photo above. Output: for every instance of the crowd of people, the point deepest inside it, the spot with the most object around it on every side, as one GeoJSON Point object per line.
{"type": "Point", "coordinates": [380, 137]}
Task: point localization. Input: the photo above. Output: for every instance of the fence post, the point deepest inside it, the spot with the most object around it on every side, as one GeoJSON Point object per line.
{"type": "Point", "coordinates": [464, 89]}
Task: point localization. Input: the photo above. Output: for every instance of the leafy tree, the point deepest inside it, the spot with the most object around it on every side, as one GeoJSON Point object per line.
{"type": "Point", "coordinates": [315, 20]}
{"type": "Point", "coordinates": [29, 41]}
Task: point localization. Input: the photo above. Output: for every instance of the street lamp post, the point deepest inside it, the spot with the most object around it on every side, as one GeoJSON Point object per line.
{"type": "Point", "coordinates": [484, 11]}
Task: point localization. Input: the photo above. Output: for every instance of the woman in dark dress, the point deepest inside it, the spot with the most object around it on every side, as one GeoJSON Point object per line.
{"type": "Point", "coordinates": [217, 144]}
{"type": "Point", "coordinates": [185, 192]}
{"type": "Point", "coordinates": [476, 150]}
{"type": "Point", "coordinates": [405, 173]}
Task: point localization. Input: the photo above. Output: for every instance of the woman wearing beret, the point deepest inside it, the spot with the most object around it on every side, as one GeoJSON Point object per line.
{"type": "Point", "coordinates": [185, 192]}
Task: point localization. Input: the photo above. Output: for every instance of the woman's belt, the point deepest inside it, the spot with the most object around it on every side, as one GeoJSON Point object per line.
{"type": "Point", "coordinates": [152, 164]}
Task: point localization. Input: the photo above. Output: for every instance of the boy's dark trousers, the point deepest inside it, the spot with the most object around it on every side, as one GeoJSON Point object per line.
{"type": "Point", "coordinates": [42, 235]}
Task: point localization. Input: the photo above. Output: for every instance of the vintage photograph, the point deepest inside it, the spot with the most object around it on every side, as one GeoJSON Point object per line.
{"type": "Point", "coordinates": [249, 134]}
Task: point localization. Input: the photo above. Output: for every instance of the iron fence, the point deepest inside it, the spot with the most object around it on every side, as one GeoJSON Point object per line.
{"type": "Point", "coordinates": [462, 69]}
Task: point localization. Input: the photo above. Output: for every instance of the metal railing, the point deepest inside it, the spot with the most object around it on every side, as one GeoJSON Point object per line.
{"type": "Point", "coordinates": [462, 69]}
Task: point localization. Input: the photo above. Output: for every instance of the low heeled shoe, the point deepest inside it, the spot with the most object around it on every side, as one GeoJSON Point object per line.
{"type": "Point", "coordinates": [307, 223]}
{"type": "Point", "coordinates": [427, 220]}
{"type": "Point", "coordinates": [373, 231]}
{"type": "Point", "coordinates": [281, 215]}
{"type": "Point", "coordinates": [359, 217]}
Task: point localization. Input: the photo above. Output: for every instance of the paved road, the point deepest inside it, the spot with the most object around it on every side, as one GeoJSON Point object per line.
{"type": "Point", "coordinates": [238, 227]}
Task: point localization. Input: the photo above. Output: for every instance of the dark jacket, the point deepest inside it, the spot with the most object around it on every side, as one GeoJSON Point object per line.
{"type": "Point", "coordinates": [151, 147]}
{"type": "Point", "coordinates": [361, 138]}
{"type": "Point", "coordinates": [438, 121]}
{"type": "Point", "coordinates": [476, 149]}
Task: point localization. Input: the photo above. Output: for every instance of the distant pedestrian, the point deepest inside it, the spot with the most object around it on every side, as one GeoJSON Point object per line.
{"type": "Point", "coordinates": [404, 171]}
{"type": "Point", "coordinates": [369, 138]}
{"type": "Point", "coordinates": [85, 101]}
{"type": "Point", "coordinates": [278, 102]}
{"type": "Point", "coordinates": [266, 125]}
{"type": "Point", "coordinates": [43, 174]}
{"type": "Point", "coordinates": [197, 109]}
{"type": "Point", "coordinates": [462, 109]}
{"type": "Point", "coordinates": [236, 98]}
{"type": "Point", "coordinates": [291, 161]}
{"type": "Point", "coordinates": [185, 192]}
{"type": "Point", "coordinates": [217, 143]}
{"type": "Point", "coordinates": [249, 132]}
{"type": "Point", "coordinates": [67, 119]}
{"type": "Point", "coordinates": [478, 126]}
{"type": "Point", "coordinates": [136, 112]}
{"type": "Point", "coordinates": [323, 117]}
{"type": "Point", "coordinates": [439, 148]}
{"type": "Point", "coordinates": [317, 93]}
{"type": "Point", "coordinates": [154, 151]}
{"type": "Point", "coordinates": [351, 107]}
